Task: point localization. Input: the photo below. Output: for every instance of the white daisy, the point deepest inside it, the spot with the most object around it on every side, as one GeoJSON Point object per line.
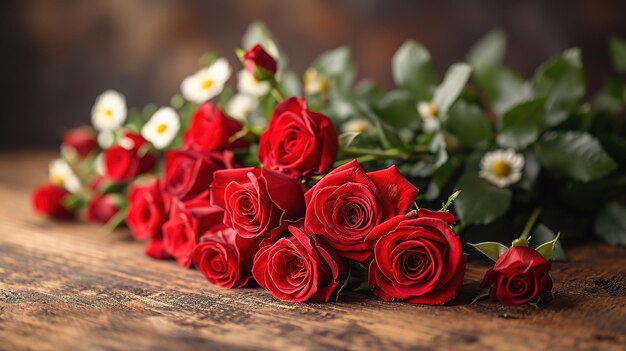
{"type": "Point", "coordinates": [109, 111]}
{"type": "Point", "coordinates": [106, 138]}
{"type": "Point", "coordinates": [240, 106]}
{"type": "Point", "coordinates": [207, 82]}
{"type": "Point", "coordinates": [162, 127]}
{"type": "Point", "coordinates": [247, 84]}
{"type": "Point", "coordinates": [315, 83]}
{"type": "Point", "coordinates": [430, 116]}
{"type": "Point", "coordinates": [502, 167]}
{"type": "Point", "coordinates": [61, 174]}
{"type": "Point", "coordinates": [357, 125]}
{"type": "Point", "coordinates": [99, 164]}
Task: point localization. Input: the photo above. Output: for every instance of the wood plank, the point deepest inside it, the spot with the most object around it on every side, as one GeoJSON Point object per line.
{"type": "Point", "coordinates": [73, 286]}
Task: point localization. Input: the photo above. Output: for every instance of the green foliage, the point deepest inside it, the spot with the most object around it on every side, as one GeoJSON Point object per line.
{"type": "Point", "coordinates": [547, 244]}
{"type": "Point", "coordinates": [414, 71]}
{"type": "Point", "coordinates": [617, 48]}
{"type": "Point", "coordinates": [469, 123]}
{"type": "Point", "coordinates": [480, 202]}
{"type": "Point", "coordinates": [449, 90]}
{"type": "Point", "coordinates": [610, 224]}
{"type": "Point", "coordinates": [337, 65]}
{"type": "Point", "coordinates": [520, 126]}
{"type": "Point", "coordinates": [491, 249]}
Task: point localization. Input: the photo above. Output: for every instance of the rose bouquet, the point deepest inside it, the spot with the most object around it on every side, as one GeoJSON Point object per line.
{"type": "Point", "coordinates": [310, 186]}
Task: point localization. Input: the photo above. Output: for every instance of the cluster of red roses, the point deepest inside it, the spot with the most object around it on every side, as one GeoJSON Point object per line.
{"type": "Point", "coordinates": [236, 223]}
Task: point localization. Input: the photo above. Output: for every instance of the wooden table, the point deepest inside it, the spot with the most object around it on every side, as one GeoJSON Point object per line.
{"type": "Point", "coordinates": [68, 286]}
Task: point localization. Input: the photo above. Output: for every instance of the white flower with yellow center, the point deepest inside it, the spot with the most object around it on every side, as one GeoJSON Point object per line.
{"type": "Point", "coordinates": [430, 116]}
{"type": "Point", "coordinates": [502, 167]}
{"type": "Point", "coordinates": [315, 83]}
{"type": "Point", "coordinates": [62, 175]}
{"type": "Point", "coordinates": [109, 111]}
{"type": "Point", "coordinates": [162, 127]}
{"type": "Point", "coordinates": [240, 106]}
{"type": "Point", "coordinates": [207, 82]}
{"type": "Point", "coordinates": [247, 84]}
{"type": "Point", "coordinates": [357, 125]}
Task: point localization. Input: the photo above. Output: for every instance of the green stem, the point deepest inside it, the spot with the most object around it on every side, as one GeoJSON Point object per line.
{"type": "Point", "coordinates": [354, 151]}
{"type": "Point", "coordinates": [276, 94]}
{"type": "Point", "coordinates": [531, 223]}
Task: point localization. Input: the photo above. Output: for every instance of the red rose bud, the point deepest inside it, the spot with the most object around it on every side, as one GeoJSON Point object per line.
{"type": "Point", "coordinates": [520, 275]}
{"type": "Point", "coordinates": [128, 159]}
{"type": "Point", "coordinates": [189, 173]}
{"type": "Point", "coordinates": [188, 220]}
{"type": "Point", "coordinates": [80, 142]}
{"type": "Point", "coordinates": [102, 208]}
{"type": "Point", "coordinates": [298, 142]}
{"type": "Point", "coordinates": [48, 200]}
{"type": "Point", "coordinates": [257, 201]}
{"type": "Point", "coordinates": [147, 209]}
{"type": "Point", "coordinates": [419, 260]}
{"type": "Point", "coordinates": [348, 203]}
{"type": "Point", "coordinates": [300, 268]}
{"type": "Point", "coordinates": [259, 63]}
{"type": "Point", "coordinates": [225, 258]}
{"type": "Point", "coordinates": [211, 130]}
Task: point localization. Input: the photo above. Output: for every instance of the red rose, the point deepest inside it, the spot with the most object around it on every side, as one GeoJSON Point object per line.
{"type": "Point", "coordinates": [257, 201]}
{"type": "Point", "coordinates": [298, 142]}
{"type": "Point", "coordinates": [419, 260]}
{"type": "Point", "coordinates": [211, 130]}
{"type": "Point", "coordinates": [299, 268]}
{"type": "Point", "coordinates": [348, 203]}
{"type": "Point", "coordinates": [519, 276]}
{"type": "Point", "coordinates": [156, 249]}
{"type": "Point", "coordinates": [189, 173]}
{"type": "Point", "coordinates": [188, 220]}
{"type": "Point", "coordinates": [48, 200]}
{"type": "Point", "coordinates": [147, 209]}
{"type": "Point", "coordinates": [259, 63]}
{"type": "Point", "coordinates": [128, 159]}
{"type": "Point", "coordinates": [102, 208]}
{"type": "Point", "coordinates": [80, 141]}
{"type": "Point", "coordinates": [443, 215]}
{"type": "Point", "coordinates": [225, 257]}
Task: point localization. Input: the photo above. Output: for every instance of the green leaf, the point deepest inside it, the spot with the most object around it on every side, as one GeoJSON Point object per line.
{"type": "Point", "coordinates": [468, 123]}
{"type": "Point", "coordinates": [610, 224]}
{"type": "Point", "coordinates": [338, 65]}
{"type": "Point", "coordinates": [505, 88]}
{"type": "Point", "coordinates": [575, 155]}
{"type": "Point", "coordinates": [413, 70]}
{"type": "Point", "coordinates": [398, 109]}
{"type": "Point", "coordinates": [345, 139]}
{"type": "Point", "coordinates": [452, 85]}
{"type": "Point", "coordinates": [451, 199]}
{"type": "Point", "coordinates": [290, 84]}
{"type": "Point", "coordinates": [546, 243]}
{"type": "Point", "coordinates": [562, 81]}
{"type": "Point", "coordinates": [480, 202]}
{"type": "Point", "coordinates": [491, 249]}
{"type": "Point", "coordinates": [482, 294]}
{"type": "Point", "coordinates": [488, 51]}
{"type": "Point", "coordinates": [520, 126]}
{"type": "Point", "coordinates": [617, 47]}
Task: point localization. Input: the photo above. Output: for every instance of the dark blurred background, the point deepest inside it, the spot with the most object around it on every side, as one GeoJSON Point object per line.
{"type": "Point", "coordinates": [57, 56]}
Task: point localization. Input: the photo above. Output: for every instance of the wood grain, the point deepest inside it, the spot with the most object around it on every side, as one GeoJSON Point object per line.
{"type": "Point", "coordinates": [71, 286]}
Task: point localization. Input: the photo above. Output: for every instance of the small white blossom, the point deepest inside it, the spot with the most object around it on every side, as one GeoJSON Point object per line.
{"type": "Point", "coordinates": [99, 164]}
{"type": "Point", "coordinates": [109, 110]}
{"type": "Point", "coordinates": [247, 84]}
{"type": "Point", "coordinates": [502, 167]}
{"type": "Point", "coordinates": [240, 106]}
{"type": "Point", "coordinates": [315, 83]}
{"type": "Point", "coordinates": [207, 82]}
{"type": "Point", "coordinates": [162, 127]}
{"type": "Point", "coordinates": [430, 116]}
{"type": "Point", "coordinates": [106, 138]}
{"type": "Point", "coordinates": [357, 125]}
{"type": "Point", "coordinates": [61, 174]}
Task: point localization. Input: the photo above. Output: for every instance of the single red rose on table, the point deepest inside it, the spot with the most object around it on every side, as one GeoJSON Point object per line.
{"type": "Point", "coordinates": [419, 260]}
{"type": "Point", "coordinates": [48, 199]}
{"type": "Point", "coordinates": [520, 275]}
{"type": "Point", "coordinates": [188, 173]}
{"type": "Point", "coordinates": [225, 257]}
{"type": "Point", "coordinates": [80, 142]}
{"type": "Point", "coordinates": [259, 63]}
{"type": "Point", "coordinates": [300, 268]}
{"type": "Point", "coordinates": [348, 203]}
{"type": "Point", "coordinates": [128, 159]}
{"type": "Point", "coordinates": [187, 222]}
{"type": "Point", "coordinates": [102, 208]}
{"type": "Point", "coordinates": [298, 141]}
{"type": "Point", "coordinates": [211, 130]}
{"type": "Point", "coordinates": [147, 208]}
{"type": "Point", "coordinates": [257, 202]}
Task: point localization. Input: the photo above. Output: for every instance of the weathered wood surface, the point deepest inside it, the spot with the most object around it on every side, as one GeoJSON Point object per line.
{"type": "Point", "coordinates": [69, 286]}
